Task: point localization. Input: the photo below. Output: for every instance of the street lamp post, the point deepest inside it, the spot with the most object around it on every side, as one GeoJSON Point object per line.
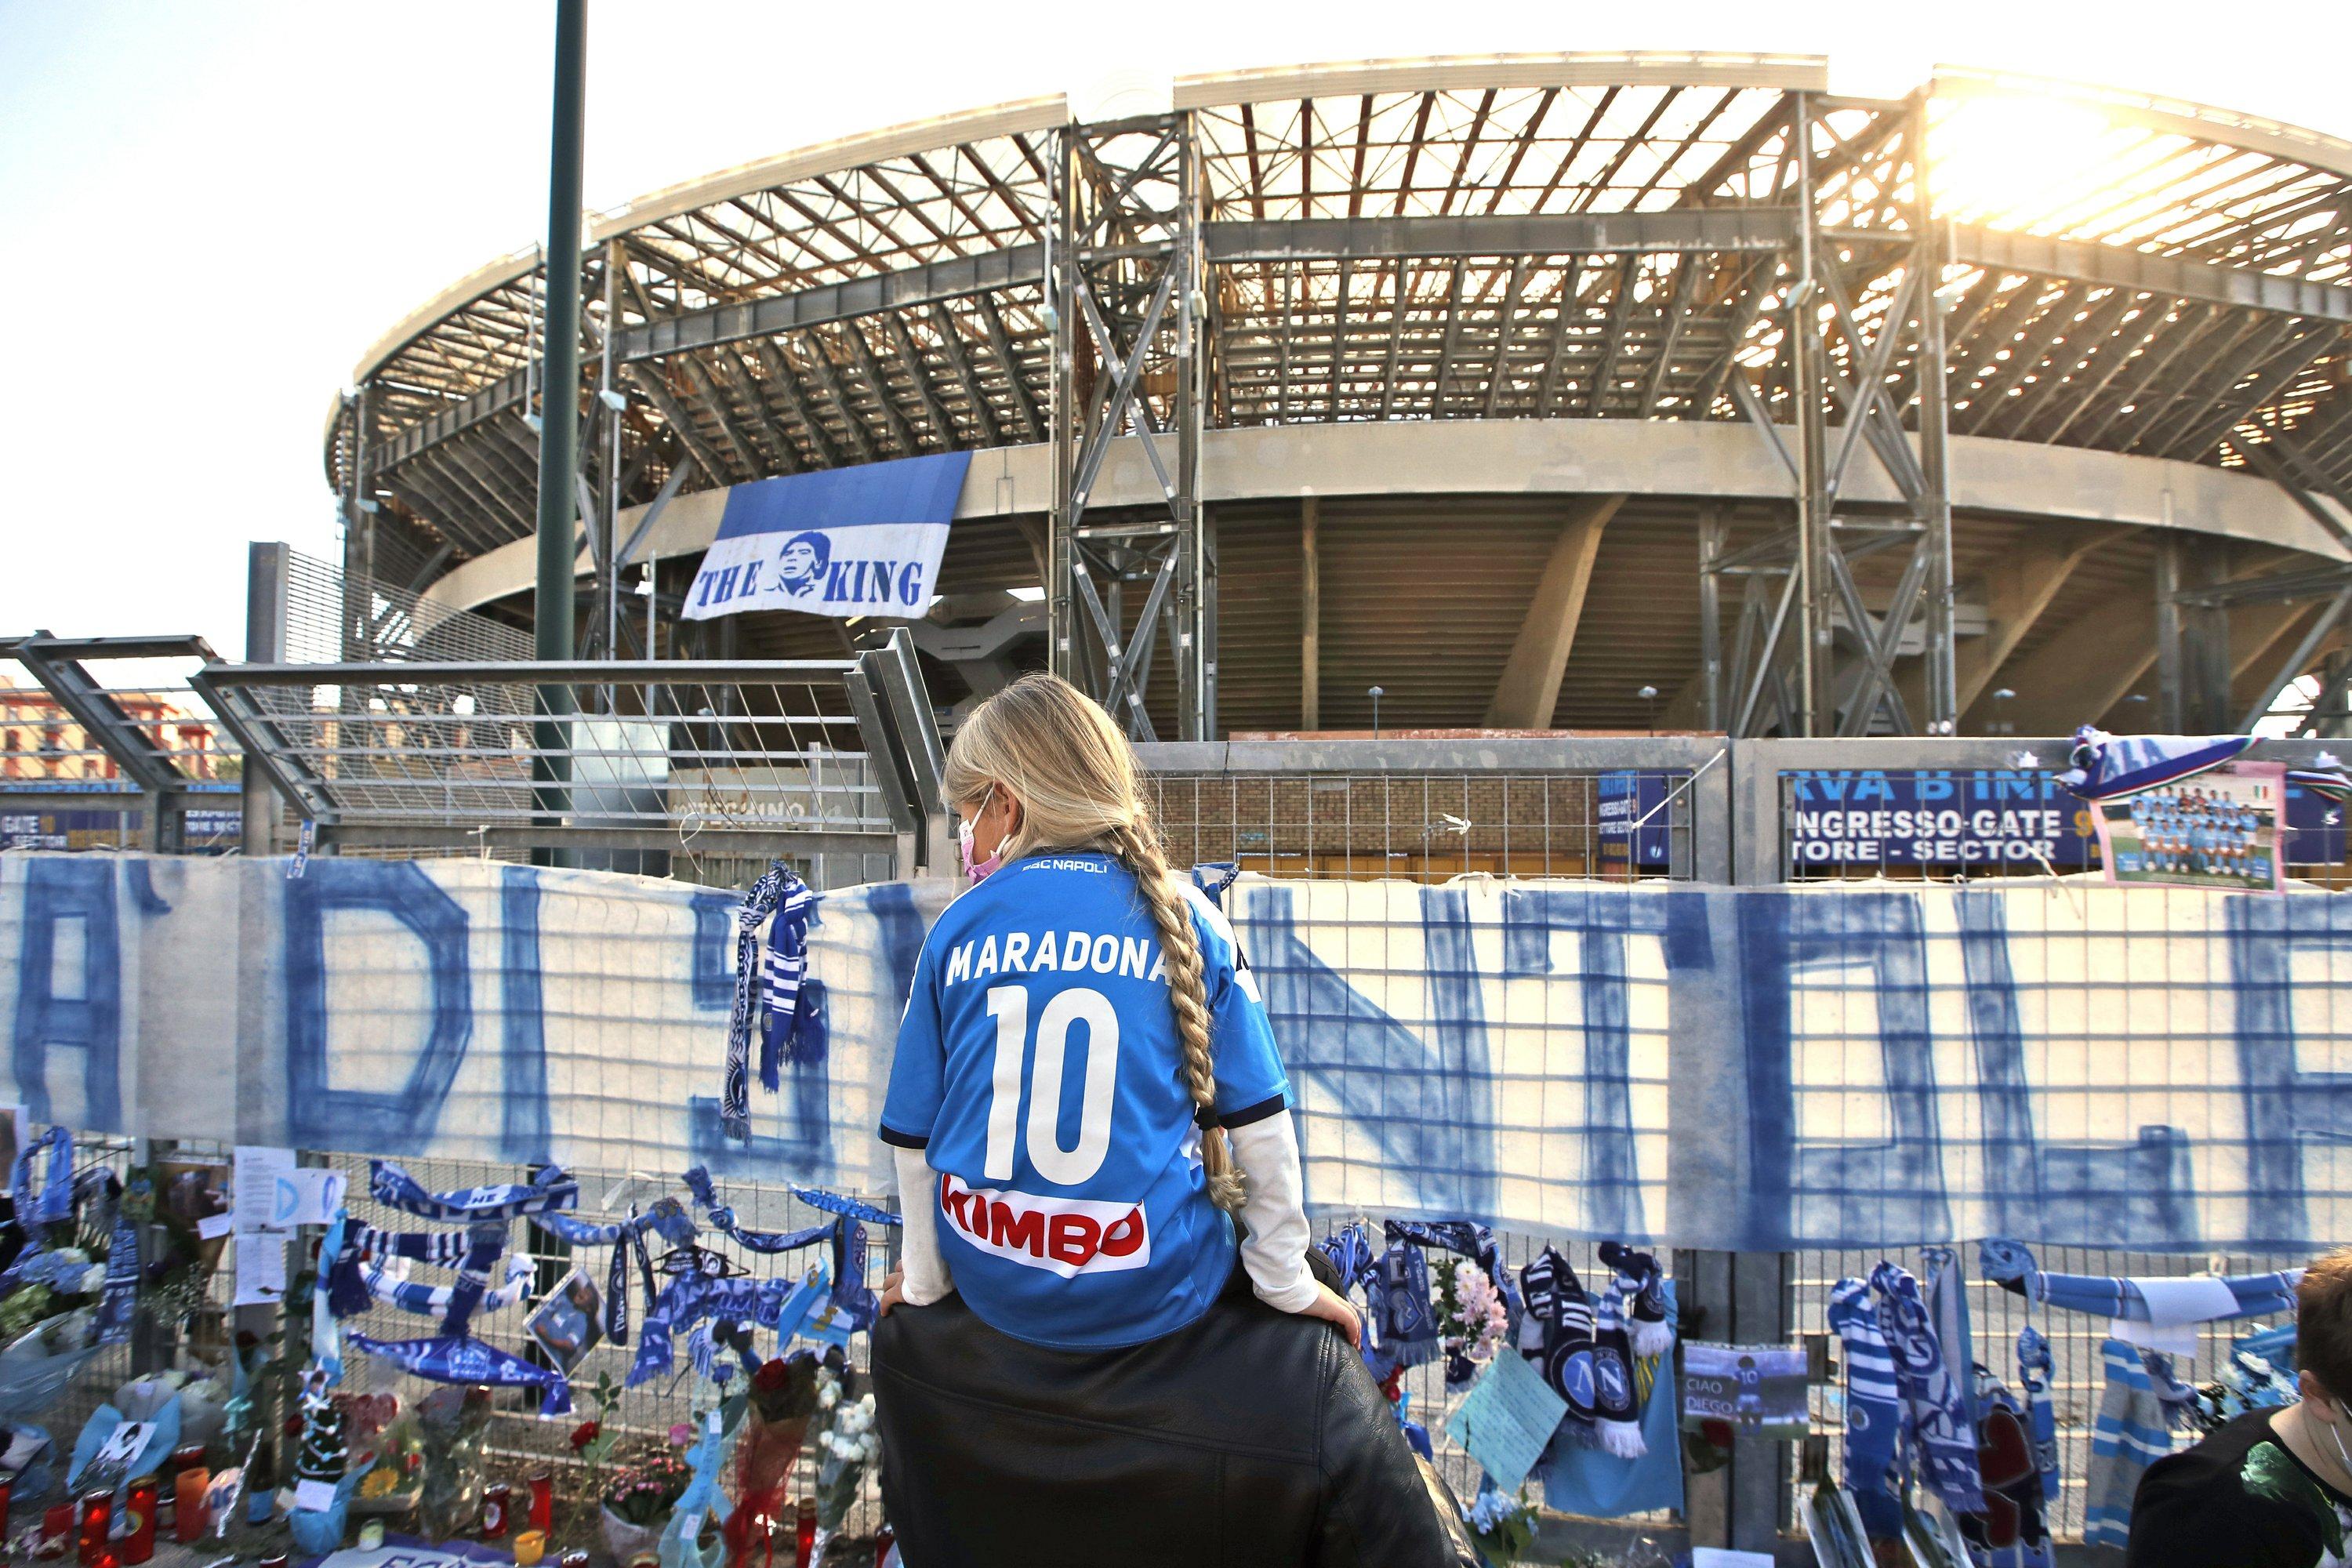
{"type": "Point", "coordinates": [1376, 694]}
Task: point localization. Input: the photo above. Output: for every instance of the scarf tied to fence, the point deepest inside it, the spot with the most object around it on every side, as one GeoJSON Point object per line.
{"type": "Point", "coordinates": [1934, 1405]}
{"type": "Point", "coordinates": [793, 1004]}
{"type": "Point", "coordinates": [2011, 1264]}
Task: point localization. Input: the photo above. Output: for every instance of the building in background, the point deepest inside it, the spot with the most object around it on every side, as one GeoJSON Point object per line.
{"type": "Point", "coordinates": [1592, 391]}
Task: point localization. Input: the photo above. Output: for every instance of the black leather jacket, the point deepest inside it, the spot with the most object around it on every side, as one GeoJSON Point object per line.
{"type": "Point", "coordinates": [1250, 1439]}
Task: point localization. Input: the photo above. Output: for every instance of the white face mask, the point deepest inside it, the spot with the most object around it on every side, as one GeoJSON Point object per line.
{"type": "Point", "coordinates": [978, 870]}
{"type": "Point", "coordinates": [2336, 1435]}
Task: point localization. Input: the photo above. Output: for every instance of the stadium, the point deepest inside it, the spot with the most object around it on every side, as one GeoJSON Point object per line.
{"type": "Point", "coordinates": [1586, 392]}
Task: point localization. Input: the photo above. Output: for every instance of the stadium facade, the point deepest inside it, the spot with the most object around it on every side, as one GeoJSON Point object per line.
{"type": "Point", "coordinates": [1590, 392]}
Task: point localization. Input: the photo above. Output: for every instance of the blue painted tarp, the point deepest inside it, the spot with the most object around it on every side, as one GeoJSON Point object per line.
{"type": "Point", "coordinates": [1860, 1066]}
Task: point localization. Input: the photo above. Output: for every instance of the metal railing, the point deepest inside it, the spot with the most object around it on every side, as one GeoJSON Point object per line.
{"type": "Point", "coordinates": [1424, 810]}
{"type": "Point", "coordinates": [831, 761]}
{"type": "Point", "coordinates": [85, 764]}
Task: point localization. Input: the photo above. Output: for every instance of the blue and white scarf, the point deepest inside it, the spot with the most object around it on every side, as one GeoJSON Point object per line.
{"type": "Point", "coordinates": [668, 1219]}
{"type": "Point", "coordinates": [779, 1304]}
{"type": "Point", "coordinates": [791, 1006]}
{"type": "Point", "coordinates": [856, 1301]}
{"type": "Point", "coordinates": [1402, 1312]}
{"type": "Point", "coordinates": [2035, 1371]}
{"type": "Point", "coordinates": [2011, 1264]}
{"type": "Point", "coordinates": [853, 1208]}
{"type": "Point", "coordinates": [395, 1188]}
{"type": "Point", "coordinates": [117, 1302]}
{"type": "Point", "coordinates": [443, 1359]}
{"type": "Point", "coordinates": [765, 1242]}
{"type": "Point", "coordinates": [1874, 1410]}
{"type": "Point", "coordinates": [394, 1287]}
{"type": "Point", "coordinates": [1946, 1295]}
{"type": "Point", "coordinates": [2103, 766]}
{"type": "Point", "coordinates": [2131, 1434]}
{"type": "Point", "coordinates": [53, 1202]}
{"type": "Point", "coordinates": [735, 1090]}
{"type": "Point", "coordinates": [1933, 1407]}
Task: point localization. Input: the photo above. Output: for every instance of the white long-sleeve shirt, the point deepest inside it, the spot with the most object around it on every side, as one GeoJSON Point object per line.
{"type": "Point", "coordinates": [1266, 1153]}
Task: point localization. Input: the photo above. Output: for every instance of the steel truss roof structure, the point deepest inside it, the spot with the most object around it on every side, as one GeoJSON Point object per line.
{"type": "Point", "coordinates": [1624, 236]}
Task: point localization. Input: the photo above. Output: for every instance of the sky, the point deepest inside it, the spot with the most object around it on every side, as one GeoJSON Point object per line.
{"type": "Point", "coordinates": [212, 209]}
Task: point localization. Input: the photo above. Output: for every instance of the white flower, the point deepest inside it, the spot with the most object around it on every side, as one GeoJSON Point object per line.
{"type": "Point", "coordinates": [93, 1279]}
{"type": "Point", "coordinates": [867, 1404]}
{"type": "Point", "coordinates": [828, 1395]}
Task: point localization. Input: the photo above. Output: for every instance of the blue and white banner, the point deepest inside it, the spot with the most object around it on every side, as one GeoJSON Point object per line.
{"type": "Point", "coordinates": [2065, 1063]}
{"type": "Point", "coordinates": [862, 540]}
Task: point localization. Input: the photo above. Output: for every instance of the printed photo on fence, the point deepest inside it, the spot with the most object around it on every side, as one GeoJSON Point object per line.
{"type": "Point", "coordinates": [2217, 829]}
{"type": "Point", "coordinates": [567, 1323]}
{"type": "Point", "coordinates": [1759, 1389]}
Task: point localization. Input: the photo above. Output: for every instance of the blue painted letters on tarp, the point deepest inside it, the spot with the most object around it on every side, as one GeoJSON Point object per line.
{"type": "Point", "coordinates": [399, 1122]}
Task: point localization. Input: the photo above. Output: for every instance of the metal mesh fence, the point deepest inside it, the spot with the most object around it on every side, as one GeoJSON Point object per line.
{"type": "Point", "coordinates": [523, 1443]}
{"type": "Point", "coordinates": [334, 618]}
{"type": "Point", "coordinates": [1995, 1316]}
{"type": "Point", "coordinates": [1428, 827]}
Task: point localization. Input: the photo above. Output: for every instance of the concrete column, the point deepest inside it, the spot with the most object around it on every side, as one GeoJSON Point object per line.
{"type": "Point", "coordinates": [1310, 612]}
{"type": "Point", "coordinates": [1530, 687]}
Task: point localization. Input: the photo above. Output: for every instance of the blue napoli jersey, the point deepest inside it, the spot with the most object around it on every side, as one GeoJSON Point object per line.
{"type": "Point", "coordinates": [1038, 1066]}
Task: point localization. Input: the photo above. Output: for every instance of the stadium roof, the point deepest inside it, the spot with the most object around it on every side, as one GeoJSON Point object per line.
{"type": "Point", "coordinates": [1566, 237]}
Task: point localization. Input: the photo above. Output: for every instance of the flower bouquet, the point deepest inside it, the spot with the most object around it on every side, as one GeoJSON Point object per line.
{"type": "Point", "coordinates": [846, 1447]}
{"type": "Point", "coordinates": [783, 1396]}
{"type": "Point", "coordinates": [451, 1421]}
{"type": "Point", "coordinates": [638, 1500]}
{"type": "Point", "coordinates": [1505, 1525]}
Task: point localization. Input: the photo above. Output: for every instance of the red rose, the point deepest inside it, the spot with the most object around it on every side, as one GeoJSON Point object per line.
{"type": "Point", "coordinates": [584, 1434]}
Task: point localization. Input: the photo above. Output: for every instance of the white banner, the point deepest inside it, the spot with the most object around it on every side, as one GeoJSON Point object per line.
{"type": "Point", "coordinates": [863, 541]}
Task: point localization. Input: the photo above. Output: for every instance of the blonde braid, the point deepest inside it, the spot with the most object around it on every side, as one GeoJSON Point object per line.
{"type": "Point", "coordinates": [1137, 848]}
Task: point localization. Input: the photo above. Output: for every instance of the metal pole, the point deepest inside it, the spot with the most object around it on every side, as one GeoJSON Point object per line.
{"type": "Point", "coordinates": [559, 434]}
{"type": "Point", "coordinates": [610, 572]}
{"type": "Point", "coordinates": [1942, 666]}
{"type": "Point", "coordinates": [265, 643]}
{"type": "Point", "coordinates": [1711, 616]}
{"type": "Point", "coordinates": [1815, 707]}
{"type": "Point", "coordinates": [1063, 655]}
{"type": "Point", "coordinates": [1195, 632]}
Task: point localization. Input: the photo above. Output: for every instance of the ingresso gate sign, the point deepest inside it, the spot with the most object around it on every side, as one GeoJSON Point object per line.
{"type": "Point", "coordinates": [1979, 816]}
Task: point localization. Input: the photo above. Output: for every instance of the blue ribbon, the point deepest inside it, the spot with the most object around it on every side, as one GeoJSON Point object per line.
{"type": "Point", "coordinates": [443, 1359]}
{"type": "Point", "coordinates": [396, 1189]}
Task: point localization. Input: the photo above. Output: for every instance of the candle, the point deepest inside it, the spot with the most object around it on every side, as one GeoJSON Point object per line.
{"type": "Point", "coordinates": [97, 1521]}
{"type": "Point", "coordinates": [530, 1546]}
{"type": "Point", "coordinates": [371, 1535]}
{"type": "Point", "coordinates": [191, 1516]}
{"type": "Point", "coordinates": [543, 1501]}
{"type": "Point", "coordinates": [139, 1520]}
{"type": "Point", "coordinates": [497, 1506]}
{"type": "Point", "coordinates": [57, 1528]}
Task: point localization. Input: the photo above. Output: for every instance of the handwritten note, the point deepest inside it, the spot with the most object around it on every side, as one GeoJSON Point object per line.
{"type": "Point", "coordinates": [1506, 1418]}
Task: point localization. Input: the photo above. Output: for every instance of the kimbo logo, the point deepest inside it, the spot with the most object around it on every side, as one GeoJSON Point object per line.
{"type": "Point", "coordinates": [1068, 1237]}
